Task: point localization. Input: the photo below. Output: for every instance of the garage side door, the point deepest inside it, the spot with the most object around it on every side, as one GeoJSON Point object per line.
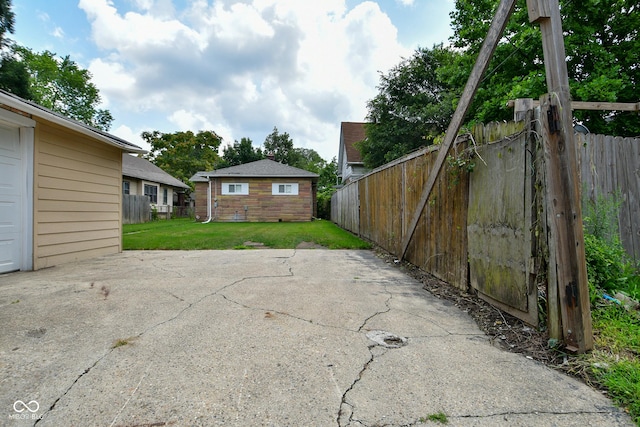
{"type": "Point", "coordinates": [11, 215]}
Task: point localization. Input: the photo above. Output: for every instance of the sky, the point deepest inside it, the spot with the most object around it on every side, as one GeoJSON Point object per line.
{"type": "Point", "coordinates": [236, 67]}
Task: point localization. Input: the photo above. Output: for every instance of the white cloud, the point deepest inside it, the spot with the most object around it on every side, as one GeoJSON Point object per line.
{"type": "Point", "coordinates": [111, 77]}
{"type": "Point", "coordinates": [58, 33]}
{"type": "Point", "coordinates": [241, 68]}
{"type": "Point", "coordinates": [126, 133]}
{"type": "Point", "coordinates": [190, 120]}
{"type": "Point", "coordinates": [240, 23]}
{"type": "Point", "coordinates": [43, 16]}
{"type": "Point", "coordinates": [133, 31]}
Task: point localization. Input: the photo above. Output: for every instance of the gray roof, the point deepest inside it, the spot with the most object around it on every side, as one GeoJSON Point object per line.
{"type": "Point", "coordinates": [143, 169]}
{"type": "Point", "coordinates": [13, 101]}
{"type": "Point", "coordinates": [264, 168]}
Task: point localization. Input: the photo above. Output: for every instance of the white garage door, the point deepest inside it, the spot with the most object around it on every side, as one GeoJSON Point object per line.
{"type": "Point", "coordinates": [11, 205]}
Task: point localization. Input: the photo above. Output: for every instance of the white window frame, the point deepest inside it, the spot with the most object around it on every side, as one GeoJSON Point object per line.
{"type": "Point", "coordinates": [240, 188]}
{"type": "Point", "coordinates": [284, 189]}
{"type": "Point", "coordinates": [151, 194]}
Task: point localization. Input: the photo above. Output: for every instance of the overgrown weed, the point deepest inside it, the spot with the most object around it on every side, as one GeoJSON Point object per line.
{"type": "Point", "coordinates": [613, 364]}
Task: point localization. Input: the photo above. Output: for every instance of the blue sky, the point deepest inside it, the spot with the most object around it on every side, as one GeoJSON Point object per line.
{"type": "Point", "coordinates": [238, 68]}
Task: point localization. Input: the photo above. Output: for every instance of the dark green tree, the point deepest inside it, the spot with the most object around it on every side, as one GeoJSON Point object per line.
{"type": "Point", "coordinates": [14, 77]}
{"type": "Point", "coordinates": [328, 176]}
{"type": "Point", "coordinates": [239, 153]}
{"type": "Point", "coordinates": [60, 85]}
{"type": "Point", "coordinates": [413, 106]}
{"type": "Point", "coordinates": [307, 159]}
{"type": "Point", "coordinates": [326, 187]}
{"type": "Point", "coordinates": [603, 52]}
{"type": "Point", "coordinates": [7, 21]}
{"type": "Point", "coordinates": [280, 145]}
{"type": "Point", "coordinates": [182, 154]}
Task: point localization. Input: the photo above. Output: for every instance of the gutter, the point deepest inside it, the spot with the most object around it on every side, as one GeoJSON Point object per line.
{"type": "Point", "coordinates": [13, 102]}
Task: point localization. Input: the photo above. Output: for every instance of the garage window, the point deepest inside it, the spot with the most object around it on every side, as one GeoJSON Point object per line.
{"type": "Point", "coordinates": [235, 188]}
{"type": "Point", "coordinates": [284, 189]}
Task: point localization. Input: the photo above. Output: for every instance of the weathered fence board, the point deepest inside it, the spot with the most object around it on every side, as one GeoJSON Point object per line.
{"type": "Point", "coordinates": [610, 167]}
{"type": "Point", "coordinates": [345, 208]}
{"type": "Point", "coordinates": [381, 209]}
{"type": "Point", "coordinates": [499, 228]}
{"type": "Point", "coordinates": [487, 227]}
{"type": "Point", "coordinates": [439, 244]}
{"type": "Point", "coordinates": [386, 199]}
{"type": "Point", "coordinates": [381, 198]}
{"type": "Point", "coordinates": [135, 209]}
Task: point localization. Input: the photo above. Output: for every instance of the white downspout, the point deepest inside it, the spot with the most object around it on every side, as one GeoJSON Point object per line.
{"type": "Point", "coordinates": [215, 199]}
{"type": "Point", "coordinates": [208, 204]}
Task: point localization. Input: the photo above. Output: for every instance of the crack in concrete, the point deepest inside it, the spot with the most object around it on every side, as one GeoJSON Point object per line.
{"type": "Point", "coordinates": [502, 414]}
{"type": "Point", "coordinates": [343, 402]}
{"type": "Point", "coordinates": [421, 420]}
{"type": "Point", "coordinates": [175, 296]}
{"type": "Point", "coordinates": [150, 328]}
{"type": "Point", "coordinates": [85, 372]}
{"type": "Point", "coordinates": [386, 303]}
{"type": "Point", "coordinates": [346, 409]}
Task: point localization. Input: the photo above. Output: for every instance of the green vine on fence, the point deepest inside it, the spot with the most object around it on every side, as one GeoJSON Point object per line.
{"type": "Point", "coordinates": [462, 163]}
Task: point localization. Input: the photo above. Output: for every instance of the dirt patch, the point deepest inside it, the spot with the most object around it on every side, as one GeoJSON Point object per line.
{"type": "Point", "coordinates": [310, 245]}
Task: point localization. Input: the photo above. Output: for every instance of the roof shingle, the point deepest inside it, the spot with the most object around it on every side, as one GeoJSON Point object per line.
{"type": "Point", "coordinates": [258, 169]}
{"type": "Point", "coordinates": [137, 167]}
{"type": "Point", "coordinates": [352, 132]}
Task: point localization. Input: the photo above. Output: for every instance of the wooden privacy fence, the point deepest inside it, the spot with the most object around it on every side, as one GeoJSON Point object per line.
{"type": "Point", "coordinates": [610, 167]}
{"type": "Point", "coordinates": [379, 206]}
{"type": "Point", "coordinates": [135, 209]}
{"type": "Point", "coordinates": [486, 229]}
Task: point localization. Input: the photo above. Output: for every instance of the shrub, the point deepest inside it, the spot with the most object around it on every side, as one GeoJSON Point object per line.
{"type": "Point", "coordinates": [609, 267]}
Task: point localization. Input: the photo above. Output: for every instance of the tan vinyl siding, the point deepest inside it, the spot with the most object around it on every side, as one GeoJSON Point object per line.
{"type": "Point", "coordinates": [77, 196]}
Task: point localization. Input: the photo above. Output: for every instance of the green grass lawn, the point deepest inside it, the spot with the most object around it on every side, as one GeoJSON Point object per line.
{"type": "Point", "coordinates": [614, 362]}
{"type": "Point", "coordinates": [186, 234]}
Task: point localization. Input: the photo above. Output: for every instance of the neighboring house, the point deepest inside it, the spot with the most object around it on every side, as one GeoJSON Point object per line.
{"type": "Point", "coordinates": [350, 165]}
{"type": "Point", "coordinates": [141, 177]}
{"type": "Point", "coordinates": [60, 188]}
{"type": "Point", "coordinates": [264, 190]}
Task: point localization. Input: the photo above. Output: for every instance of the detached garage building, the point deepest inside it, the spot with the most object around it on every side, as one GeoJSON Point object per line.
{"type": "Point", "coordinates": [60, 188]}
{"type": "Point", "coordinates": [260, 191]}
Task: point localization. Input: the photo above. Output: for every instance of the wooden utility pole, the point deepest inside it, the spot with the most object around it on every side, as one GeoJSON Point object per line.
{"type": "Point", "coordinates": [564, 213]}
{"type": "Point", "coordinates": [498, 24]}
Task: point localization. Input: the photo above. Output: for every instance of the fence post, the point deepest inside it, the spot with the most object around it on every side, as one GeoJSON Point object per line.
{"type": "Point", "coordinates": [566, 236]}
{"type": "Point", "coordinates": [521, 107]}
